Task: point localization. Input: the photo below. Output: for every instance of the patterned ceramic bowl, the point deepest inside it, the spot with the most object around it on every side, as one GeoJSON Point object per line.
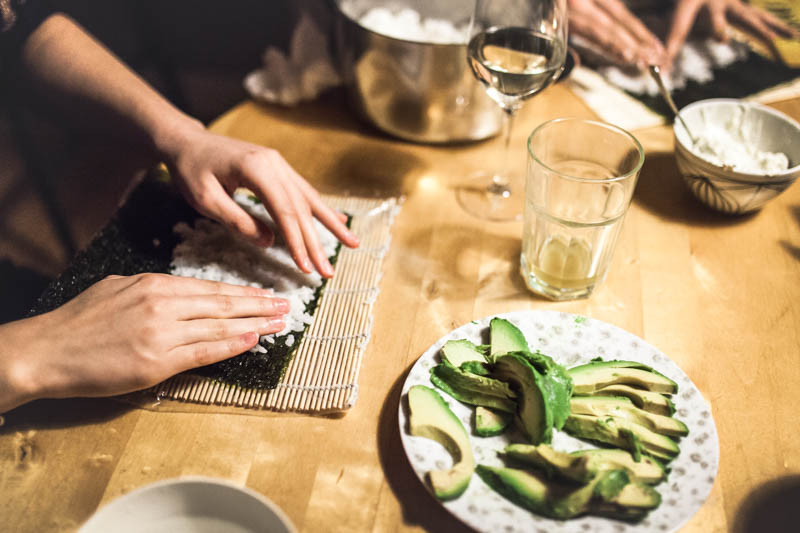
{"type": "Point", "coordinates": [720, 186]}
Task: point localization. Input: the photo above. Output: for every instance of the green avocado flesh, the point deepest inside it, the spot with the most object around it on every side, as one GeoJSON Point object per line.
{"type": "Point", "coordinates": [534, 414]}
{"type": "Point", "coordinates": [431, 417]}
{"type": "Point", "coordinates": [489, 423]}
{"type": "Point", "coordinates": [588, 378]}
{"type": "Point", "coordinates": [458, 352]}
{"type": "Point", "coordinates": [470, 388]}
{"type": "Point", "coordinates": [505, 337]}
{"type": "Point", "coordinates": [622, 433]}
{"type": "Point", "coordinates": [603, 495]}
{"type": "Point", "coordinates": [653, 402]}
{"type": "Point", "coordinates": [623, 408]}
{"type": "Point", "coordinates": [582, 466]}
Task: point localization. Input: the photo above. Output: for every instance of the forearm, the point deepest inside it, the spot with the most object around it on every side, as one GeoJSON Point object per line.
{"type": "Point", "coordinates": [72, 72]}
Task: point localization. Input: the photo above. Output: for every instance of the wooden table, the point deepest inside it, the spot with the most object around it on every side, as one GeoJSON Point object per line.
{"type": "Point", "coordinates": [719, 295]}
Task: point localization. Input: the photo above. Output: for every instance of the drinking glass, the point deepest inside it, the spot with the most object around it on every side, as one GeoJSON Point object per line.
{"type": "Point", "coordinates": [516, 49]}
{"type": "Point", "coordinates": [580, 181]}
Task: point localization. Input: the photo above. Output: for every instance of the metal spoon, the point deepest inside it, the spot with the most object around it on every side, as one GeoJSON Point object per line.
{"type": "Point", "coordinates": [655, 72]}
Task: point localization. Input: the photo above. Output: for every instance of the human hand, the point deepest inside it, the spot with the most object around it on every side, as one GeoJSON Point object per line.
{"type": "Point", "coordinates": [721, 13]}
{"type": "Point", "coordinates": [209, 167]}
{"type": "Point", "coordinates": [609, 25]}
{"type": "Point", "coordinates": [128, 333]}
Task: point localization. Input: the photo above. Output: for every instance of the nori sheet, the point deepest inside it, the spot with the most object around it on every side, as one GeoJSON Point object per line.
{"type": "Point", "coordinates": [740, 79]}
{"type": "Point", "coordinates": [140, 239]}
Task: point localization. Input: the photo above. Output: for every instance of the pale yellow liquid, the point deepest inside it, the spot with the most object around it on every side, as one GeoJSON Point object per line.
{"type": "Point", "coordinates": [564, 263]}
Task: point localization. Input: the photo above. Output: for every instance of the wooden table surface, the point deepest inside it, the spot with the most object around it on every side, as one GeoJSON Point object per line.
{"type": "Point", "coordinates": [719, 295]}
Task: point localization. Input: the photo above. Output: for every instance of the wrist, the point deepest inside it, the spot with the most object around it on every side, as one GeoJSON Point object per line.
{"type": "Point", "coordinates": [171, 135]}
{"type": "Point", "coordinates": [18, 382]}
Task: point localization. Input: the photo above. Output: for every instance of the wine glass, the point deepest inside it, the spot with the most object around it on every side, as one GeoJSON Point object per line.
{"type": "Point", "coordinates": [516, 49]}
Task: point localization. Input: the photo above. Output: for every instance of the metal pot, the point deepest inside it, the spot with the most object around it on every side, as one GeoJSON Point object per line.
{"type": "Point", "coordinates": [417, 91]}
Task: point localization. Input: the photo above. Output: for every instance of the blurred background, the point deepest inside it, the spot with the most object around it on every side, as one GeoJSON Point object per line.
{"type": "Point", "coordinates": [58, 188]}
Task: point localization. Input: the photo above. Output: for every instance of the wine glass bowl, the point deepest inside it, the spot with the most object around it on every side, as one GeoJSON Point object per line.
{"type": "Point", "coordinates": [516, 50]}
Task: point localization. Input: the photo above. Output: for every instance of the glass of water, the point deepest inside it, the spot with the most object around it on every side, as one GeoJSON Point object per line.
{"type": "Point", "coordinates": [580, 181]}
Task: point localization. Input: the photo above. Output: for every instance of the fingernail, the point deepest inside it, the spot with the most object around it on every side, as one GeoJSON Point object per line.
{"type": "Point", "coordinates": [265, 292]}
{"type": "Point", "coordinates": [327, 269]}
{"type": "Point", "coordinates": [281, 305]}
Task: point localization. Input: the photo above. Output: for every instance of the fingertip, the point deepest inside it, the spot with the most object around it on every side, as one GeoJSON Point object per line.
{"type": "Point", "coordinates": [249, 339]}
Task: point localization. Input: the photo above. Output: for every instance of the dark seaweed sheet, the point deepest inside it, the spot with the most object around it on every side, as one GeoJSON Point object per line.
{"type": "Point", "coordinates": [742, 78]}
{"type": "Point", "coordinates": [140, 239]}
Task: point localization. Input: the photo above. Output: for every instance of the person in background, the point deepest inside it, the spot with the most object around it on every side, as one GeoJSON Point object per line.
{"type": "Point", "coordinates": [127, 333]}
{"type": "Point", "coordinates": [609, 25]}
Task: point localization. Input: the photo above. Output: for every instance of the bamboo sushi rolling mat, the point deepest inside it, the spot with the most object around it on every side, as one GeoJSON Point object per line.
{"type": "Point", "coordinates": [323, 374]}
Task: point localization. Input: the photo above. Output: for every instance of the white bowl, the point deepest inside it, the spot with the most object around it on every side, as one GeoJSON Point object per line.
{"type": "Point", "coordinates": [721, 187]}
{"type": "Point", "coordinates": [190, 505]}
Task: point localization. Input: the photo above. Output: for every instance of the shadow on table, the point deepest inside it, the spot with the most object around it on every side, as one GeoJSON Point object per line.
{"type": "Point", "coordinates": [774, 507]}
{"type": "Point", "coordinates": [57, 414]}
{"type": "Point", "coordinates": [793, 249]}
{"type": "Point", "coordinates": [419, 506]}
{"type": "Point", "coordinates": [661, 191]}
{"type": "Point", "coordinates": [372, 170]}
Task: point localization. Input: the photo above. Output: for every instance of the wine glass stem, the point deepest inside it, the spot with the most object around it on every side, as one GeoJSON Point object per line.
{"type": "Point", "coordinates": [500, 181]}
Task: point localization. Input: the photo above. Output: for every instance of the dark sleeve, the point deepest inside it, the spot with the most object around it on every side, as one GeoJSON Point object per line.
{"type": "Point", "coordinates": [18, 19]}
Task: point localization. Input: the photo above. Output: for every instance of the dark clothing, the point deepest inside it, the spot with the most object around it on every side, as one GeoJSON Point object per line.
{"type": "Point", "coordinates": [18, 19]}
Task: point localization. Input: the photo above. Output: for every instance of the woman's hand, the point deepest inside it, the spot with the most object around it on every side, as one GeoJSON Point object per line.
{"type": "Point", "coordinates": [609, 25]}
{"type": "Point", "coordinates": [128, 333]}
{"type": "Point", "coordinates": [721, 13]}
{"type": "Point", "coordinates": [209, 167]}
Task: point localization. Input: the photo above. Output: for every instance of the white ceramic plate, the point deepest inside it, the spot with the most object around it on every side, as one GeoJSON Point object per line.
{"type": "Point", "coordinates": [570, 340]}
{"type": "Point", "coordinates": [192, 504]}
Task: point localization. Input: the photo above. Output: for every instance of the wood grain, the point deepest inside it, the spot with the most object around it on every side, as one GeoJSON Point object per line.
{"type": "Point", "coordinates": [719, 295]}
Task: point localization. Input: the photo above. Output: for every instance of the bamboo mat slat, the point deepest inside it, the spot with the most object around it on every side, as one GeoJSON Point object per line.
{"type": "Point", "coordinates": [323, 374]}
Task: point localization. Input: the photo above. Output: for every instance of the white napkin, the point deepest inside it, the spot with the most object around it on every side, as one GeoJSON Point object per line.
{"type": "Point", "coordinates": [302, 75]}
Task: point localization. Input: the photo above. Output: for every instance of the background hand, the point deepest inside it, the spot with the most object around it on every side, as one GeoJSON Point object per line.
{"type": "Point", "coordinates": [128, 333]}
{"type": "Point", "coordinates": [609, 25]}
{"type": "Point", "coordinates": [722, 13]}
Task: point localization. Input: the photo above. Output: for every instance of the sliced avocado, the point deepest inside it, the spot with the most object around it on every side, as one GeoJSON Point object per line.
{"type": "Point", "coordinates": [610, 484]}
{"type": "Point", "coordinates": [523, 488]}
{"type": "Point", "coordinates": [623, 408]}
{"type": "Point", "coordinates": [468, 381]}
{"type": "Point", "coordinates": [653, 402]}
{"type": "Point", "coordinates": [473, 397]}
{"type": "Point", "coordinates": [489, 423]}
{"type": "Point", "coordinates": [558, 384]}
{"type": "Point", "coordinates": [458, 352]}
{"type": "Point", "coordinates": [534, 414]}
{"type": "Point", "coordinates": [632, 503]}
{"type": "Point", "coordinates": [588, 378]}
{"type": "Point", "coordinates": [505, 337]}
{"type": "Point", "coordinates": [553, 463]}
{"type": "Point", "coordinates": [475, 367]}
{"type": "Point", "coordinates": [431, 417]}
{"type": "Point", "coordinates": [646, 470]}
{"type": "Point", "coordinates": [622, 433]}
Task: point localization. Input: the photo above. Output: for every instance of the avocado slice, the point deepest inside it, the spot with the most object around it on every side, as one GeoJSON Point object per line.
{"type": "Point", "coordinates": [489, 423]}
{"type": "Point", "coordinates": [557, 382]}
{"type": "Point", "coordinates": [588, 378]}
{"type": "Point", "coordinates": [534, 414]}
{"type": "Point", "coordinates": [632, 503]}
{"type": "Point", "coordinates": [529, 490]}
{"type": "Point", "coordinates": [431, 417]}
{"type": "Point", "coordinates": [653, 402]}
{"type": "Point", "coordinates": [475, 367]}
{"type": "Point", "coordinates": [622, 433]}
{"type": "Point", "coordinates": [554, 464]}
{"type": "Point", "coordinates": [458, 352]}
{"type": "Point", "coordinates": [622, 407]}
{"type": "Point", "coordinates": [646, 470]}
{"type": "Point", "coordinates": [505, 337]}
{"type": "Point", "coordinates": [472, 397]}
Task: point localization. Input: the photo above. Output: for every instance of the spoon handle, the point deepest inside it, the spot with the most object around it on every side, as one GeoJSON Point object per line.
{"type": "Point", "coordinates": [655, 72]}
